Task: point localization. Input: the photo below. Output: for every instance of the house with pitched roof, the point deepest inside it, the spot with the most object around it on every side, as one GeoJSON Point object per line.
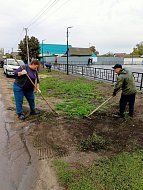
{"type": "Point", "coordinates": [73, 51]}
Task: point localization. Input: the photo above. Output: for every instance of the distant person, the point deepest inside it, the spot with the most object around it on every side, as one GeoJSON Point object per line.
{"type": "Point", "coordinates": [1, 63]}
{"type": "Point", "coordinates": [56, 60]}
{"type": "Point", "coordinates": [126, 83]}
{"type": "Point", "coordinates": [48, 66]}
{"type": "Point", "coordinates": [88, 63]}
{"type": "Point", "coordinates": [23, 87]}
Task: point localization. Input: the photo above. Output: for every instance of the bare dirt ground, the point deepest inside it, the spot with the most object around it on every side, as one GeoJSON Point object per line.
{"type": "Point", "coordinates": [58, 137]}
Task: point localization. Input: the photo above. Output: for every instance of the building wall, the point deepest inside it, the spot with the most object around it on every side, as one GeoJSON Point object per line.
{"type": "Point", "coordinates": [71, 60]}
{"type": "Point", "coordinates": [133, 60]}
{"type": "Point", "coordinates": [96, 60]}
{"type": "Point", "coordinates": [51, 49]}
{"type": "Point", "coordinates": [109, 60]}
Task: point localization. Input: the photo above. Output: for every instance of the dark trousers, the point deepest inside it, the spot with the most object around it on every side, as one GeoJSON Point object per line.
{"type": "Point", "coordinates": [123, 102]}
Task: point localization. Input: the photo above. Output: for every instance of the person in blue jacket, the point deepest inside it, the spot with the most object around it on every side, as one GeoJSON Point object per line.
{"type": "Point", "coordinates": [48, 65]}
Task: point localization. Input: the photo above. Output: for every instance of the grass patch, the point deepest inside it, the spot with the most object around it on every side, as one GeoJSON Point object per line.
{"type": "Point", "coordinates": [94, 143]}
{"type": "Point", "coordinates": [121, 172]}
{"type": "Point", "coordinates": [75, 107]}
{"type": "Point", "coordinates": [76, 93]}
{"type": "Point", "coordinates": [73, 178]}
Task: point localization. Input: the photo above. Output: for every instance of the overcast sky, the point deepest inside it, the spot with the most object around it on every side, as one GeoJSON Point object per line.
{"type": "Point", "coordinates": [110, 25]}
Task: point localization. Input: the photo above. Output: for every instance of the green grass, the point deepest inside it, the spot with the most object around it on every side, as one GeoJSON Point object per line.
{"type": "Point", "coordinates": [72, 178]}
{"type": "Point", "coordinates": [76, 95]}
{"type": "Point", "coordinates": [93, 142]}
{"type": "Point", "coordinates": [121, 172]}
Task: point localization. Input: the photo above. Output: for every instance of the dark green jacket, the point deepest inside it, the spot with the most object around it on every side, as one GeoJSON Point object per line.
{"type": "Point", "coordinates": [125, 82]}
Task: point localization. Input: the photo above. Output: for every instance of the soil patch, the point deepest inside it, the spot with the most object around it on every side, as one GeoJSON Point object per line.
{"type": "Point", "coordinates": [67, 137]}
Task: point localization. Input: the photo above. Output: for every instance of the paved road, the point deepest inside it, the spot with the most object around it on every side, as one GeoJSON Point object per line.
{"type": "Point", "coordinates": [14, 158]}
{"type": "Point", "coordinates": [20, 167]}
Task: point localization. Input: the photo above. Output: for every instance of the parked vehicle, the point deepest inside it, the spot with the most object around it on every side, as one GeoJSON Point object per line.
{"type": "Point", "coordinates": [10, 65]}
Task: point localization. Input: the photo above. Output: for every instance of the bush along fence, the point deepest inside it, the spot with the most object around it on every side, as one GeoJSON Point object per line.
{"type": "Point", "coordinates": [97, 73]}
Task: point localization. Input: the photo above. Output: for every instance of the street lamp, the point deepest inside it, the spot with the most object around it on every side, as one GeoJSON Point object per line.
{"type": "Point", "coordinates": [68, 49]}
{"type": "Point", "coordinates": [42, 53]}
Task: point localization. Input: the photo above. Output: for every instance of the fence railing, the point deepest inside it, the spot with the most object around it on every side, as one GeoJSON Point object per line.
{"type": "Point", "coordinates": [97, 73]}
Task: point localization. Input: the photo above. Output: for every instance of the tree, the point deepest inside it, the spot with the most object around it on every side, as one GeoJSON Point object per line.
{"type": "Point", "coordinates": [34, 48]}
{"type": "Point", "coordinates": [138, 50]}
{"type": "Point", "coordinates": [109, 54]}
{"type": "Point", "coordinates": [8, 55]}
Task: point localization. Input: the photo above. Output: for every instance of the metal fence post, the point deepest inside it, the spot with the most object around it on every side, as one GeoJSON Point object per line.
{"type": "Point", "coordinates": [65, 68]}
{"type": "Point", "coordinates": [141, 82]}
{"type": "Point", "coordinates": [72, 69]}
{"type": "Point", "coordinates": [82, 70]}
{"type": "Point", "coordinates": [113, 76]}
{"type": "Point", "coordinates": [95, 73]}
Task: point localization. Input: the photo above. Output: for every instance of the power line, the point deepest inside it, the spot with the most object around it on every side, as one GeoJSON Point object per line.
{"type": "Point", "coordinates": [43, 9]}
{"type": "Point", "coordinates": [40, 15]}
{"type": "Point", "coordinates": [56, 11]}
{"type": "Point", "coordinates": [34, 20]}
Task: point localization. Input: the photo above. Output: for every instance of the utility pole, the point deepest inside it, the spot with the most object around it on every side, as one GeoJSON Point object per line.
{"type": "Point", "coordinates": [68, 50]}
{"type": "Point", "coordinates": [27, 46]}
{"type": "Point", "coordinates": [43, 53]}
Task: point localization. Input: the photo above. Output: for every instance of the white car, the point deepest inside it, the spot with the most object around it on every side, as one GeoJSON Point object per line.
{"type": "Point", "coordinates": [10, 65]}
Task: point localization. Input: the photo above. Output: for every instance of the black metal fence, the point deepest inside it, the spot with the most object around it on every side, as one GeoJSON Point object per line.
{"type": "Point", "coordinates": [97, 73]}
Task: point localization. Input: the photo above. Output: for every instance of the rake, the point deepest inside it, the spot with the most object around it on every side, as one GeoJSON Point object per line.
{"type": "Point", "coordinates": [88, 116]}
{"type": "Point", "coordinates": [42, 95]}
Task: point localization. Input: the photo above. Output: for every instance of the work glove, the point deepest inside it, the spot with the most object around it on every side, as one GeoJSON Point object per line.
{"type": "Point", "coordinates": [23, 72]}
{"type": "Point", "coordinates": [114, 93]}
{"type": "Point", "coordinates": [39, 91]}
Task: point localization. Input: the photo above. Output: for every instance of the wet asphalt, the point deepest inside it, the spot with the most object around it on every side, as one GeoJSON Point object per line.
{"type": "Point", "coordinates": [5, 181]}
{"type": "Point", "coordinates": [20, 167]}
{"type": "Point", "coordinates": [18, 164]}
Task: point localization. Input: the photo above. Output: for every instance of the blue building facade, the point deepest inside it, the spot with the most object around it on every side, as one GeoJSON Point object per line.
{"type": "Point", "coordinates": [53, 49]}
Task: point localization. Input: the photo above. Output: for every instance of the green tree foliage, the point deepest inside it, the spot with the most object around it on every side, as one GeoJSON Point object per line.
{"type": "Point", "coordinates": [109, 54]}
{"type": "Point", "coordinates": [34, 48]}
{"type": "Point", "coordinates": [138, 50]}
{"type": "Point", "coordinates": [8, 55]}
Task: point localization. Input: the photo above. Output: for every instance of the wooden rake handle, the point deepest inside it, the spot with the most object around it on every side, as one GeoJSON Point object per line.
{"type": "Point", "coordinates": [100, 106]}
{"type": "Point", "coordinates": [41, 95]}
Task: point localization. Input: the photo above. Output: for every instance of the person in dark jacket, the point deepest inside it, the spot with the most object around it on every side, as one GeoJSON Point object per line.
{"type": "Point", "coordinates": [48, 66]}
{"type": "Point", "coordinates": [23, 87]}
{"type": "Point", "coordinates": [126, 83]}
